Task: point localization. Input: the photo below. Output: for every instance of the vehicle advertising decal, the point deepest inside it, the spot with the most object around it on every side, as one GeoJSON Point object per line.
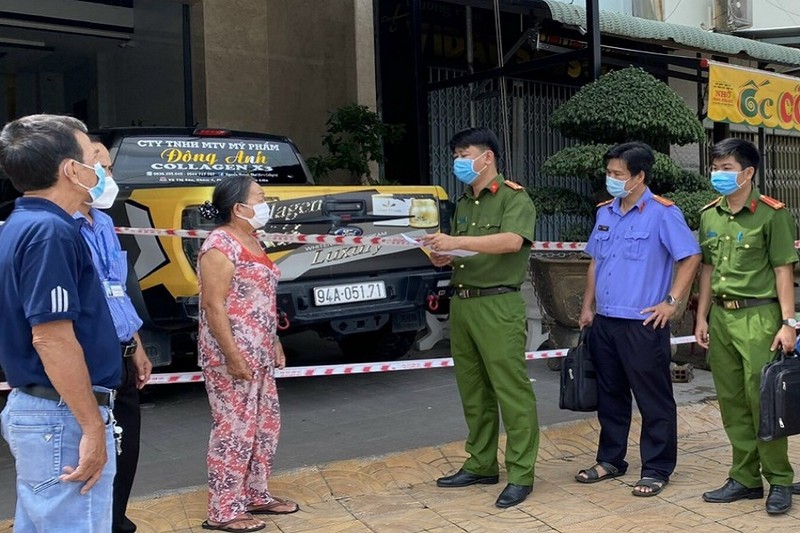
{"type": "Point", "coordinates": [173, 161]}
{"type": "Point", "coordinates": [306, 210]}
{"type": "Point", "coordinates": [368, 213]}
{"type": "Point", "coordinates": [151, 254]}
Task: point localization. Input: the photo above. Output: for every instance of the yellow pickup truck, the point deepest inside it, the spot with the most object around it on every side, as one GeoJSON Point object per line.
{"type": "Point", "coordinates": [371, 299]}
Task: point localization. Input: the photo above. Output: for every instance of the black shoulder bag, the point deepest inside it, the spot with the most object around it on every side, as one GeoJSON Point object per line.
{"type": "Point", "coordinates": [578, 378]}
{"type": "Point", "coordinates": [780, 397]}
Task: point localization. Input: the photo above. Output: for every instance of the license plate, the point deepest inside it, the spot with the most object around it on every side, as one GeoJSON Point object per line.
{"type": "Point", "coordinates": [348, 293]}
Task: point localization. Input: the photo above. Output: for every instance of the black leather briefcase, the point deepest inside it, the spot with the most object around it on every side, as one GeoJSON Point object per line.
{"type": "Point", "coordinates": [780, 397]}
{"type": "Point", "coordinates": [578, 378]}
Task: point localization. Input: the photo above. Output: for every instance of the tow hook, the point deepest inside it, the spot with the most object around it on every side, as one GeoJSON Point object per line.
{"type": "Point", "coordinates": [283, 321]}
{"type": "Point", "coordinates": [433, 302]}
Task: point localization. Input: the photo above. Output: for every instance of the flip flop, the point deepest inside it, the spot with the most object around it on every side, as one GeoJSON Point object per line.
{"type": "Point", "coordinates": [593, 476]}
{"type": "Point", "coordinates": [227, 526]}
{"type": "Point", "coordinates": [655, 486]}
{"type": "Point", "coordinates": [270, 507]}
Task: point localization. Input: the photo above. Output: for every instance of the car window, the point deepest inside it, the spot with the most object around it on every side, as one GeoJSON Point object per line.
{"type": "Point", "coordinates": [171, 161]}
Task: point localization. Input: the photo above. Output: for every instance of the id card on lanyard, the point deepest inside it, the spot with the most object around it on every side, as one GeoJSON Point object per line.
{"type": "Point", "coordinates": [113, 289]}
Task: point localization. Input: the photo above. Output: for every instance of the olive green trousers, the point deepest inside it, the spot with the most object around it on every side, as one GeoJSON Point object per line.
{"type": "Point", "coordinates": [487, 339]}
{"type": "Point", "coordinates": [739, 348]}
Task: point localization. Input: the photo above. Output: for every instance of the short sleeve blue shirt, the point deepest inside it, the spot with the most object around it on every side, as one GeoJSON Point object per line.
{"type": "Point", "coordinates": [111, 263]}
{"type": "Point", "coordinates": [635, 253]}
{"type": "Point", "coordinates": [46, 275]}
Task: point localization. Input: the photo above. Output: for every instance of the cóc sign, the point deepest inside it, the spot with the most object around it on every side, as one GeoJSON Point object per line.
{"type": "Point", "coordinates": [746, 96]}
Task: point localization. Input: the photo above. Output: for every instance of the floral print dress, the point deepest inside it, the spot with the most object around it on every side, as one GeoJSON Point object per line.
{"type": "Point", "coordinates": [245, 414]}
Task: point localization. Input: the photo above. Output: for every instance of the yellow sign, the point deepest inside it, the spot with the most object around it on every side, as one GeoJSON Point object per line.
{"type": "Point", "coordinates": [746, 96]}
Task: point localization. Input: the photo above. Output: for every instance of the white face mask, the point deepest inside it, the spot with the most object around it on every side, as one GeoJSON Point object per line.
{"type": "Point", "coordinates": [109, 194]}
{"type": "Point", "coordinates": [260, 217]}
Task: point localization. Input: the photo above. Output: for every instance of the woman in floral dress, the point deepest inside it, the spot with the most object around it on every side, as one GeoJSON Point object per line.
{"type": "Point", "coordinates": [238, 350]}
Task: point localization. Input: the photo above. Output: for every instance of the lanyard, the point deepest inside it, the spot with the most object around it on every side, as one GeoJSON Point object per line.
{"type": "Point", "coordinates": [105, 257]}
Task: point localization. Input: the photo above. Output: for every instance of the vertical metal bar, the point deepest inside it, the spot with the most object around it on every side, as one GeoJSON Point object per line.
{"type": "Point", "coordinates": [593, 27]}
{"type": "Point", "coordinates": [700, 115]}
{"type": "Point", "coordinates": [423, 167]}
{"type": "Point", "coordinates": [765, 160]}
{"type": "Point", "coordinates": [470, 66]}
{"type": "Point", "coordinates": [188, 95]}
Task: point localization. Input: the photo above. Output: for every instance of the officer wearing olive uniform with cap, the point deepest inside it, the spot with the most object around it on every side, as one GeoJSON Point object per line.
{"type": "Point", "coordinates": [494, 218]}
{"type": "Point", "coordinates": [746, 312]}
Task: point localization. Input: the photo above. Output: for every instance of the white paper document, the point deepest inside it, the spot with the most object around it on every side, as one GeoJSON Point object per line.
{"type": "Point", "coordinates": [454, 253]}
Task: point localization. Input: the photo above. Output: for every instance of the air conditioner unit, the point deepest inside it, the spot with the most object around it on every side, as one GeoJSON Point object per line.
{"type": "Point", "coordinates": [731, 15]}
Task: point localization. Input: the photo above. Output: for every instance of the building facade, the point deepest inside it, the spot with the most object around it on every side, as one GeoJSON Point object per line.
{"type": "Point", "coordinates": [435, 66]}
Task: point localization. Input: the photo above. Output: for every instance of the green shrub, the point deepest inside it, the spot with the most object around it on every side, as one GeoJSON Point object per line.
{"type": "Point", "coordinates": [552, 200]}
{"type": "Point", "coordinates": [355, 137]}
{"type": "Point", "coordinates": [627, 105]}
{"type": "Point", "coordinates": [691, 203]}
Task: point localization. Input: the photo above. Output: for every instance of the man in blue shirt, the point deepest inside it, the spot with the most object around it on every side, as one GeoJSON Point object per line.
{"type": "Point", "coordinates": [637, 238]}
{"type": "Point", "coordinates": [111, 263]}
{"type": "Point", "coordinates": [57, 332]}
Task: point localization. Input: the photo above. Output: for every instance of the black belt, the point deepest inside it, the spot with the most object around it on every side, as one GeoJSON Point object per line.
{"type": "Point", "coordinates": [128, 348]}
{"type": "Point", "coordinates": [39, 391]}
{"type": "Point", "coordinates": [741, 304]}
{"type": "Point", "coordinates": [491, 291]}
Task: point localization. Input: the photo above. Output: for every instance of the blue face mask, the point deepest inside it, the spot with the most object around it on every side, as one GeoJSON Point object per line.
{"type": "Point", "coordinates": [725, 181]}
{"type": "Point", "coordinates": [464, 171]}
{"type": "Point", "coordinates": [616, 188]}
{"type": "Point", "coordinates": [96, 191]}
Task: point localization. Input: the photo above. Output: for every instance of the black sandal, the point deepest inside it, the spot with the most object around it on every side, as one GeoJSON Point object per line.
{"type": "Point", "coordinates": [655, 485]}
{"type": "Point", "coordinates": [593, 476]}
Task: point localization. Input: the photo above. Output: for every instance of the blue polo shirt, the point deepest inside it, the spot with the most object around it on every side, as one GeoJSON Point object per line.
{"type": "Point", "coordinates": [46, 274]}
{"type": "Point", "coordinates": [635, 253]}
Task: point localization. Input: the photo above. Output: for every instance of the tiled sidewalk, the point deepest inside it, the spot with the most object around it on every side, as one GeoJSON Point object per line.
{"type": "Point", "coordinates": [397, 493]}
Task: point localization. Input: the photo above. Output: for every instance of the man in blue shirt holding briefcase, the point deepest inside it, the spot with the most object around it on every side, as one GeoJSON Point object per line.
{"type": "Point", "coordinates": [636, 240]}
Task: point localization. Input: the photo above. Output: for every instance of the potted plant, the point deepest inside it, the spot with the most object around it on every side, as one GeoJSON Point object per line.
{"type": "Point", "coordinates": [354, 138]}
{"type": "Point", "coordinates": [624, 105]}
{"type": "Point", "coordinates": [621, 106]}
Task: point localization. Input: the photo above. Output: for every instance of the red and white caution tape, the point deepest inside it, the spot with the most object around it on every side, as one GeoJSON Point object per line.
{"type": "Point", "coordinates": [313, 238]}
{"type": "Point", "coordinates": [296, 238]}
{"type": "Point", "coordinates": [364, 368]}
{"type": "Point", "coordinates": [552, 246]}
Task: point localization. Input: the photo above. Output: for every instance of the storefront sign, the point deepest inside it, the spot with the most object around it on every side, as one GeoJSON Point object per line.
{"type": "Point", "coordinates": [746, 96]}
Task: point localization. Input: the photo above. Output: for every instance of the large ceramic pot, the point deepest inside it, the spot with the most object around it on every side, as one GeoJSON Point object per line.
{"type": "Point", "coordinates": [559, 280]}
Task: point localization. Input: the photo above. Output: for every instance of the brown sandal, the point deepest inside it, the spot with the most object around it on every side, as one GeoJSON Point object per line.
{"type": "Point", "coordinates": [273, 506]}
{"type": "Point", "coordinates": [228, 526]}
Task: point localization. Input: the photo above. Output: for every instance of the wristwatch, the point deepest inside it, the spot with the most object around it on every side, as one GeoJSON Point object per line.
{"type": "Point", "coordinates": [791, 322]}
{"type": "Point", "coordinates": [670, 300]}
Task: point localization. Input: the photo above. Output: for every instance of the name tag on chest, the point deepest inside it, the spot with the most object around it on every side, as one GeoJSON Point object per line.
{"type": "Point", "coordinates": [114, 289]}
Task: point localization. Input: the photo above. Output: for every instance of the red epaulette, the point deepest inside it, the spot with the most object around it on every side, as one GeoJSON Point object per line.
{"type": "Point", "coordinates": [513, 185]}
{"type": "Point", "coordinates": [772, 202]}
{"type": "Point", "coordinates": [663, 201]}
{"type": "Point", "coordinates": [712, 203]}
{"type": "Point", "coordinates": [601, 204]}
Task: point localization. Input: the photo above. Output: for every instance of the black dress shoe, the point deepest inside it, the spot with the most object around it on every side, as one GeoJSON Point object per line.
{"type": "Point", "coordinates": [779, 500]}
{"type": "Point", "coordinates": [732, 491]}
{"type": "Point", "coordinates": [462, 478]}
{"type": "Point", "coordinates": [512, 495]}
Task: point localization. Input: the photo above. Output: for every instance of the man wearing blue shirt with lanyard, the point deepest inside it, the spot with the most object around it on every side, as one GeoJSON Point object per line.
{"type": "Point", "coordinates": [111, 264]}
{"type": "Point", "coordinates": [630, 296]}
{"type": "Point", "coordinates": [58, 335]}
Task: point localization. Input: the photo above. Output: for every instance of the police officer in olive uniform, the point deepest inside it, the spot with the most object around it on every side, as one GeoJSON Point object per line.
{"type": "Point", "coordinates": [494, 218]}
{"type": "Point", "coordinates": [745, 312]}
